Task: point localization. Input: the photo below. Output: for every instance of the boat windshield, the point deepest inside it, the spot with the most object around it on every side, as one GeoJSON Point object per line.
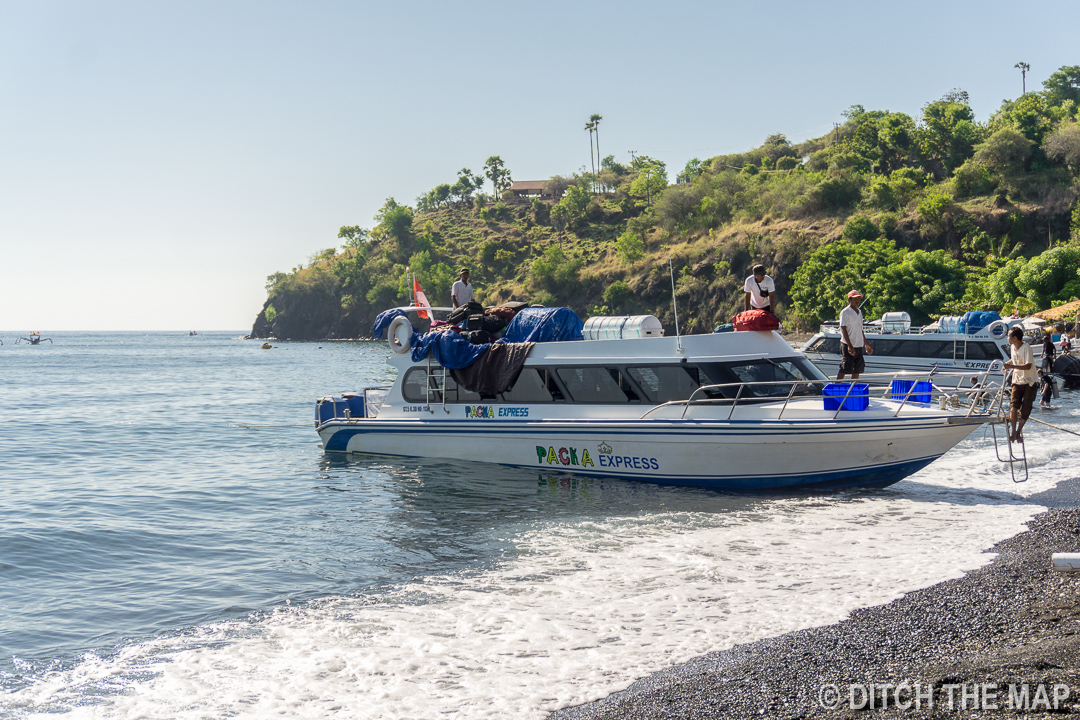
{"type": "Point", "coordinates": [767, 370]}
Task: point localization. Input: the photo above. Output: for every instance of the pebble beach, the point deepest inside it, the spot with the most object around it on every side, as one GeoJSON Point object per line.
{"type": "Point", "coordinates": [1001, 641]}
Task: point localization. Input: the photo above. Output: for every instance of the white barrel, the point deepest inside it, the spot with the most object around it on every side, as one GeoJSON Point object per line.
{"type": "Point", "coordinates": [607, 327]}
{"type": "Point", "coordinates": [949, 324]}
{"type": "Point", "coordinates": [895, 322]}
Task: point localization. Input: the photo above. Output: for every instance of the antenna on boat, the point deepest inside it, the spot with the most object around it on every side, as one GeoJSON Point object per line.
{"type": "Point", "coordinates": [674, 304]}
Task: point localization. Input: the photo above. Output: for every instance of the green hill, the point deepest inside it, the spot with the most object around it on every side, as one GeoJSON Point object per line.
{"type": "Point", "coordinates": [932, 215]}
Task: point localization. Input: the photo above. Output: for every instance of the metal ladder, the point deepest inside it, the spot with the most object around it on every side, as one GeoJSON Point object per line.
{"type": "Point", "coordinates": [1012, 458]}
{"type": "Point", "coordinates": [436, 386]}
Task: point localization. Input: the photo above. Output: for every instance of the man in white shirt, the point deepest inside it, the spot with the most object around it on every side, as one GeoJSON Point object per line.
{"type": "Point", "coordinates": [760, 291]}
{"type": "Point", "coordinates": [462, 292]}
{"type": "Point", "coordinates": [1024, 382]}
{"type": "Point", "coordinates": [852, 340]}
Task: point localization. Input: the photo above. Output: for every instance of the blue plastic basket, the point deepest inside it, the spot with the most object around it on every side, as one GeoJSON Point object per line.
{"type": "Point", "coordinates": [921, 393]}
{"type": "Point", "coordinates": [858, 396]}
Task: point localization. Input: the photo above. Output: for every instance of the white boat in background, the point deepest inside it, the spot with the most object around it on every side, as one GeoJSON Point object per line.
{"type": "Point", "coordinates": [945, 348]}
{"type": "Point", "coordinates": [738, 410]}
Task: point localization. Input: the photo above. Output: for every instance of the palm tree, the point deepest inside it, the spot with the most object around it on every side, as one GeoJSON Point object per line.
{"type": "Point", "coordinates": [594, 120]}
{"type": "Point", "coordinates": [591, 126]}
{"type": "Point", "coordinates": [1024, 67]}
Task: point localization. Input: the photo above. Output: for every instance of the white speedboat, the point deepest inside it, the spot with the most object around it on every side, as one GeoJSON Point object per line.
{"type": "Point", "coordinates": [738, 410]}
{"type": "Point", "coordinates": [899, 347]}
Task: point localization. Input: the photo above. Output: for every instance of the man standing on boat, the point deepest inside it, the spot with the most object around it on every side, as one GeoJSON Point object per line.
{"type": "Point", "coordinates": [852, 340]}
{"type": "Point", "coordinates": [760, 291]}
{"type": "Point", "coordinates": [1024, 382]}
{"type": "Point", "coordinates": [462, 292]}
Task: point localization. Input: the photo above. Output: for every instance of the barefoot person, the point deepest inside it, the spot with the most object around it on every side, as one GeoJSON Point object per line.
{"type": "Point", "coordinates": [1024, 382]}
{"type": "Point", "coordinates": [852, 340]}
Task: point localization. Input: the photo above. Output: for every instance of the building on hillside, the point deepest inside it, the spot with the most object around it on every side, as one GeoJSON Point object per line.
{"type": "Point", "coordinates": [529, 188]}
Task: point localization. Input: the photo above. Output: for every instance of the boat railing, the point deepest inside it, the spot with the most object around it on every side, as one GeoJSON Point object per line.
{"type": "Point", "coordinates": [982, 398]}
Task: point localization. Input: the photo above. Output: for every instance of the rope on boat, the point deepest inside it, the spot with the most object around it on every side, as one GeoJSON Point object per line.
{"type": "Point", "coordinates": [1053, 426]}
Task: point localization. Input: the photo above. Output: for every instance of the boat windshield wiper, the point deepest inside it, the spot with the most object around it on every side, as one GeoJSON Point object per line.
{"type": "Point", "coordinates": [801, 385]}
{"type": "Point", "coordinates": [779, 366]}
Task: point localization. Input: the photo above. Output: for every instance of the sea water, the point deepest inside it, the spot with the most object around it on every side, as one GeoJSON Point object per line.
{"type": "Point", "coordinates": [174, 543]}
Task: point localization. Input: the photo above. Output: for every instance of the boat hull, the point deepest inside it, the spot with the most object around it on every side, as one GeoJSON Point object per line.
{"type": "Point", "coordinates": [747, 456]}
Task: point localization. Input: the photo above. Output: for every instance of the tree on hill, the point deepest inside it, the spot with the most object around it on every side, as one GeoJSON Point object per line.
{"type": "Point", "coordinates": [882, 140]}
{"type": "Point", "coordinates": [948, 133]}
{"type": "Point", "coordinates": [353, 235]}
{"type": "Point", "coordinates": [1024, 67]}
{"type": "Point", "coordinates": [1050, 276]}
{"type": "Point", "coordinates": [820, 285]}
{"type": "Point", "coordinates": [595, 119]}
{"type": "Point", "coordinates": [1063, 85]}
{"type": "Point", "coordinates": [1064, 145]}
{"type": "Point", "coordinates": [394, 220]}
{"type": "Point", "coordinates": [651, 178]}
{"type": "Point", "coordinates": [573, 205]}
{"type": "Point", "coordinates": [1005, 153]}
{"type": "Point", "coordinates": [922, 283]}
{"type": "Point", "coordinates": [462, 190]}
{"type": "Point", "coordinates": [591, 127]}
{"type": "Point", "coordinates": [495, 171]}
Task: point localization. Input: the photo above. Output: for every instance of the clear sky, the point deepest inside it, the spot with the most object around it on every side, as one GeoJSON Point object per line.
{"type": "Point", "coordinates": [159, 159]}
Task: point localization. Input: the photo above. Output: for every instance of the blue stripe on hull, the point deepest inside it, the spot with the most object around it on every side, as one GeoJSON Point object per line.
{"type": "Point", "coordinates": [878, 476]}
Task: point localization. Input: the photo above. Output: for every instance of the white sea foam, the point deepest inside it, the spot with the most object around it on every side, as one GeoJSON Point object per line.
{"type": "Point", "coordinates": [574, 611]}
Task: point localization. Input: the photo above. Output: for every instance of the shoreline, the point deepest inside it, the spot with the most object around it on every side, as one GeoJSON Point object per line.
{"type": "Point", "coordinates": [1013, 621]}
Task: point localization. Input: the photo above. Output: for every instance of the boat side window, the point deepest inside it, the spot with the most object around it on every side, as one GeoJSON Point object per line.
{"type": "Point", "coordinates": [457, 394]}
{"type": "Point", "coordinates": [413, 387]}
{"type": "Point", "coordinates": [884, 347]}
{"type": "Point", "coordinates": [828, 345]}
{"type": "Point", "coordinates": [982, 351]}
{"type": "Point", "coordinates": [596, 384]}
{"type": "Point", "coordinates": [937, 349]}
{"type": "Point", "coordinates": [533, 385]}
{"type": "Point", "coordinates": [664, 383]}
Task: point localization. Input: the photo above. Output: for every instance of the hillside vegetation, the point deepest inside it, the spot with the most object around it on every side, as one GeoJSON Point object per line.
{"type": "Point", "coordinates": [932, 215]}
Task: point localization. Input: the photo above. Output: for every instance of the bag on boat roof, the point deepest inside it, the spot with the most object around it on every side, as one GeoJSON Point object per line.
{"type": "Point", "coordinates": [756, 320]}
{"type": "Point", "coordinates": [493, 323]}
{"type": "Point", "coordinates": [462, 312]}
{"type": "Point", "coordinates": [477, 337]}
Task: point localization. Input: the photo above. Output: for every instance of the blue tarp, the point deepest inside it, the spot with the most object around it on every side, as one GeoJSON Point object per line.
{"type": "Point", "coordinates": [455, 352]}
{"type": "Point", "coordinates": [544, 325]}
{"type": "Point", "coordinates": [450, 349]}
{"type": "Point", "coordinates": [383, 321]}
{"type": "Point", "coordinates": [974, 320]}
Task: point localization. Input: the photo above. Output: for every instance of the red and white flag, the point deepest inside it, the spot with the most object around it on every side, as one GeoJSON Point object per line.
{"type": "Point", "coordinates": [421, 299]}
